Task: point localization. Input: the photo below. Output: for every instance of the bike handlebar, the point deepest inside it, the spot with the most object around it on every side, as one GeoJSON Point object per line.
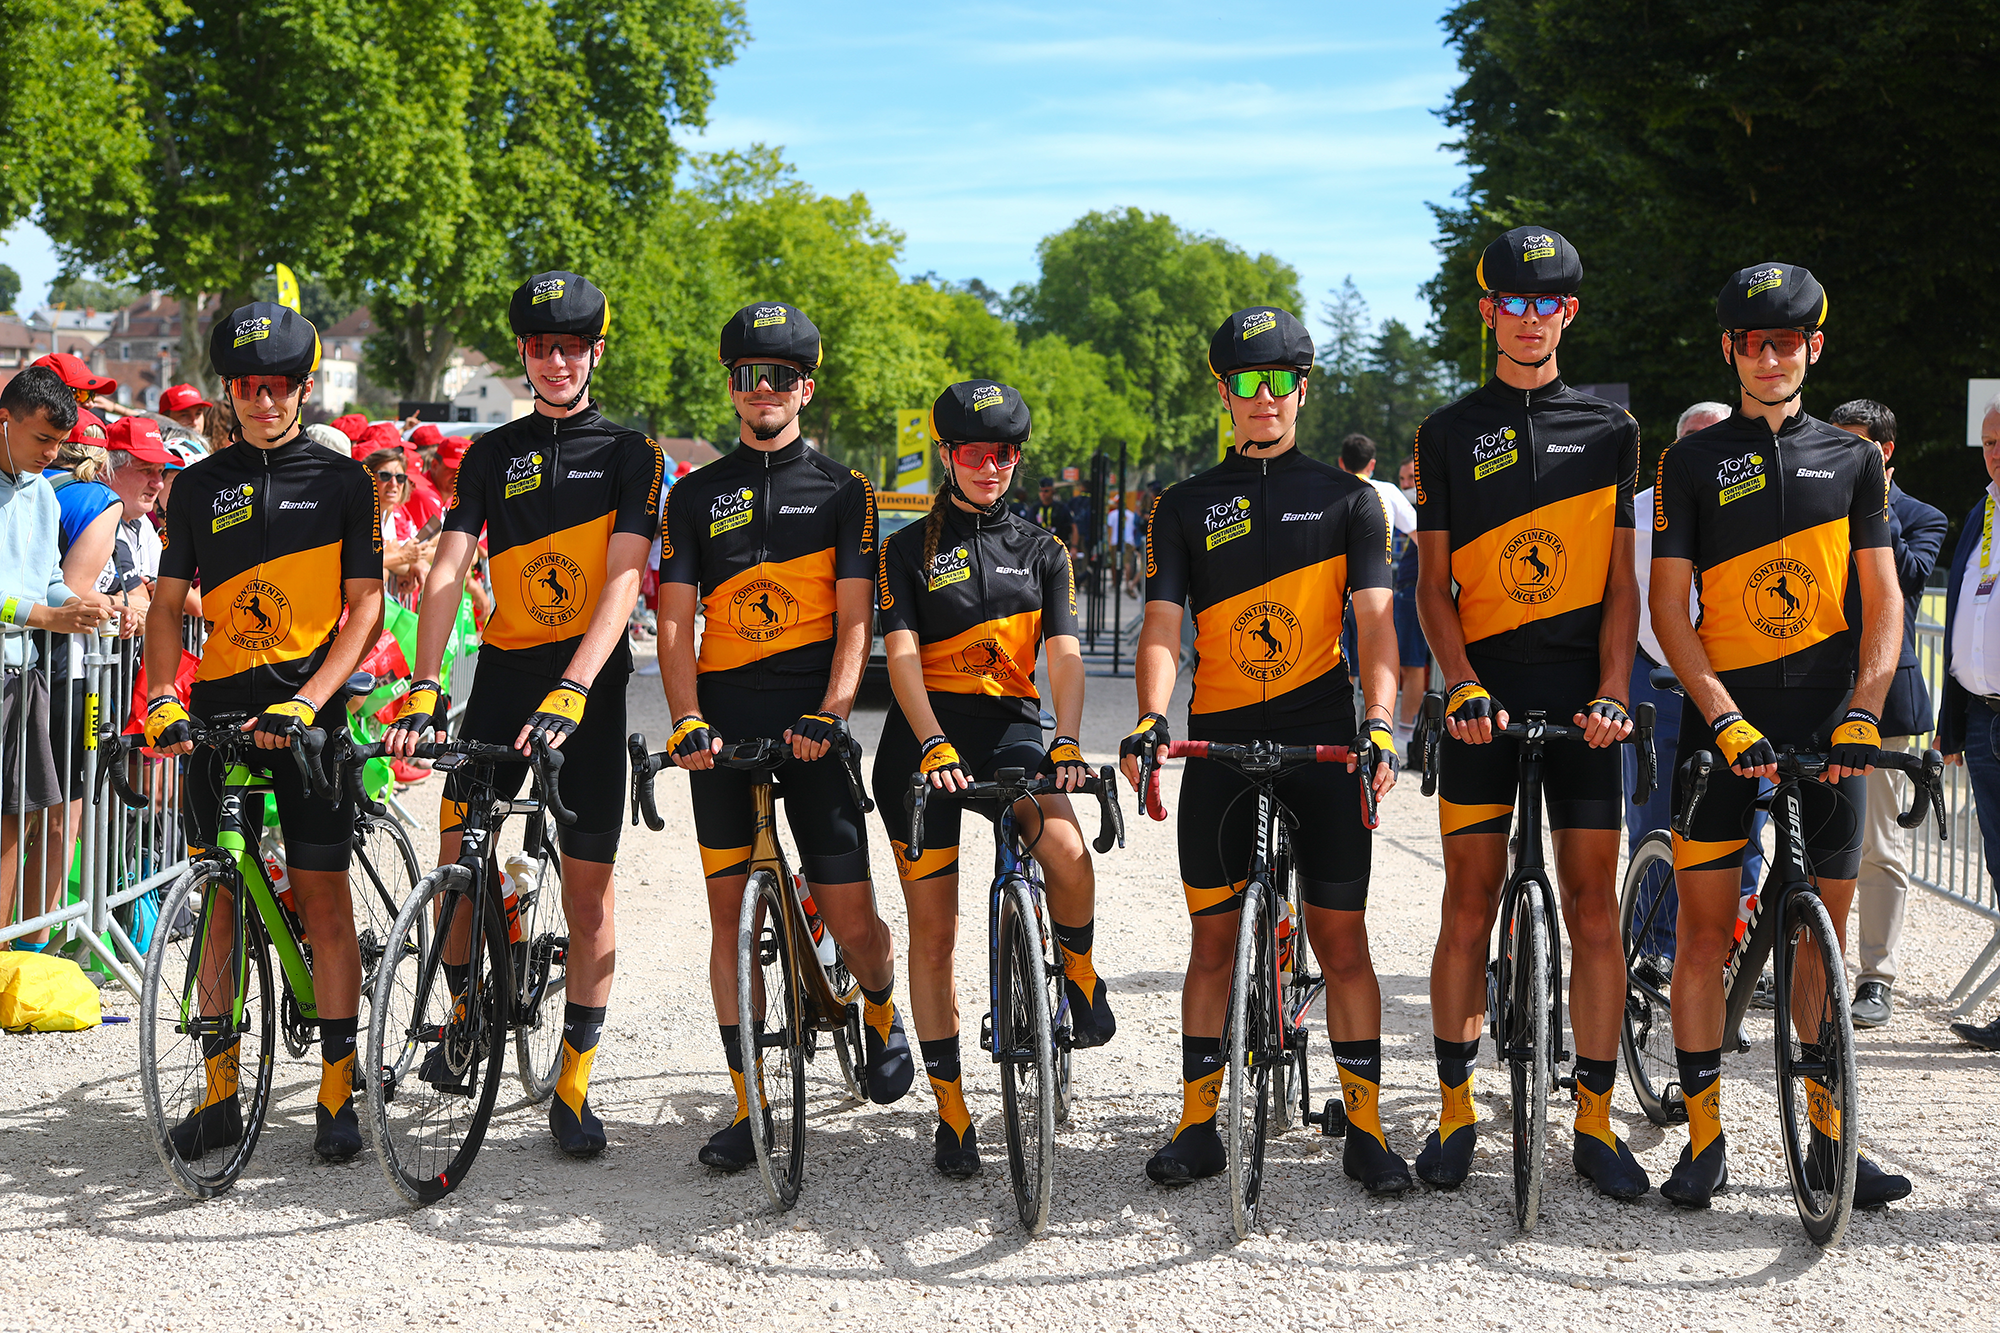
{"type": "Point", "coordinates": [1430, 733]}
{"type": "Point", "coordinates": [763, 753]}
{"type": "Point", "coordinates": [225, 734]}
{"type": "Point", "coordinates": [547, 763]}
{"type": "Point", "coordinates": [1265, 759]}
{"type": "Point", "coordinates": [1926, 773]}
{"type": "Point", "coordinates": [1013, 784]}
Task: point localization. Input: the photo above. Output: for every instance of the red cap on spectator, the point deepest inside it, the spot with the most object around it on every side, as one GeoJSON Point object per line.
{"type": "Point", "coordinates": [451, 450]}
{"type": "Point", "coordinates": [682, 468]}
{"type": "Point", "coordinates": [351, 425]}
{"type": "Point", "coordinates": [140, 437]}
{"type": "Point", "coordinates": [181, 398]}
{"type": "Point", "coordinates": [427, 434]}
{"type": "Point", "coordinates": [86, 417]}
{"type": "Point", "coordinates": [71, 370]}
{"type": "Point", "coordinates": [381, 435]}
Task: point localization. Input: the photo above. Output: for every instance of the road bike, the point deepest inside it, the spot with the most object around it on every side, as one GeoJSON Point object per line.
{"type": "Point", "coordinates": [1524, 980]}
{"type": "Point", "coordinates": [1271, 985]}
{"type": "Point", "coordinates": [792, 981]}
{"type": "Point", "coordinates": [1788, 925]}
{"type": "Point", "coordinates": [1027, 1029]}
{"type": "Point", "coordinates": [472, 956]}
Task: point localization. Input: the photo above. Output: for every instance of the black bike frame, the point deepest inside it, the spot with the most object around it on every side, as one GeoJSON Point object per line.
{"type": "Point", "coordinates": [1530, 873]}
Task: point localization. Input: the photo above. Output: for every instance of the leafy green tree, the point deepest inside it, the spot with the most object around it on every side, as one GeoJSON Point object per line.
{"type": "Point", "coordinates": [72, 80]}
{"type": "Point", "coordinates": [10, 287]}
{"type": "Point", "coordinates": [80, 293]}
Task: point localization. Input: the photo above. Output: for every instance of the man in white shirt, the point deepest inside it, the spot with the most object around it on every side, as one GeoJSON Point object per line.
{"type": "Point", "coordinates": [1357, 455]}
{"type": "Point", "coordinates": [1121, 530]}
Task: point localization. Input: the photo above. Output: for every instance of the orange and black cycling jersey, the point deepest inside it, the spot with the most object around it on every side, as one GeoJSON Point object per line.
{"type": "Point", "coordinates": [764, 535]}
{"type": "Point", "coordinates": [271, 534]}
{"type": "Point", "coordinates": [1266, 551]}
{"type": "Point", "coordinates": [1771, 525]}
{"type": "Point", "coordinates": [550, 492]}
{"type": "Point", "coordinates": [996, 589]}
{"type": "Point", "coordinates": [1531, 485]}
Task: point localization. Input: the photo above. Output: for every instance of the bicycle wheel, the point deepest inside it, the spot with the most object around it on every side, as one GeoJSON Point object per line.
{"type": "Point", "coordinates": [1026, 1046]}
{"type": "Point", "coordinates": [770, 1012]}
{"type": "Point", "coordinates": [437, 1034]}
{"type": "Point", "coordinates": [1061, 1024]}
{"type": "Point", "coordinates": [541, 969]}
{"type": "Point", "coordinates": [381, 878]}
{"type": "Point", "coordinates": [1818, 1086]}
{"type": "Point", "coordinates": [1253, 1045]}
{"type": "Point", "coordinates": [1530, 1044]}
{"type": "Point", "coordinates": [202, 1031]}
{"type": "Point", "coordinates": [1647, 911]}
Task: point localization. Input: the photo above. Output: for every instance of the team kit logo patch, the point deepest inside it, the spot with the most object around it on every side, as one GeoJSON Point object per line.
{"type": "Point", "coordinates": [260, 616]}
{"type": "Point", "coordinates": [1533, 565]}
{"type": "Point", "coordinates": [1265, 640]}
{"type": "Point", "coordinates": [762, 610]}
{"type": "Point", "coordinates": [986, 659]}
{"type": "Point", "coordinates": [1493, 451]}
{"type": "Point", "coordinates": [553, 589]}
{"type": "Point", "coordinates": [1227, 521]}
{"type": "Point", "coordinates": [523, 474]}
{"type": "Point", "coordinates": [949, 567]}
{"type": "Point", "coordinates": [1541, 246]}
{"type": "Point", "coordinates": [1738, 477]}
{"type": "Point", "coordinates": [1781, 598]}
{"type": "Point", "coordinates": [545, 291]}
{"type": "Point", "coordinates": [731, 510]}
{"type": "Point", "coordinates": [232, 506]}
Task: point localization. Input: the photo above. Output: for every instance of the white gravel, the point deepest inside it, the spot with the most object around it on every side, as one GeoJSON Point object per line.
{"type": "Point", "coordinates": [93, 1237]}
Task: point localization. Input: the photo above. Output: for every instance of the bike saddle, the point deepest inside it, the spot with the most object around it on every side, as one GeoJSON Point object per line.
{"type": "Point", "coordinates": [359, 686]}
{"type": "Point", "coordinates": [1663, 678]}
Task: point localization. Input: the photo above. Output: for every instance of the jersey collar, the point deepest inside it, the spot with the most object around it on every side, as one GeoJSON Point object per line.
{"type": "Point", "coordinates": [1510, 395]}
{"type": "Point", "coordinates": [1235, 461]}
{"type": "Point", "coordinates": [295, 447]}
{"type": "Point", "coordinates": [588, 419]}
{"type": "Point", "coordinates": [770, 458]}
{"type": "Point", "coordinates": [957, 520]}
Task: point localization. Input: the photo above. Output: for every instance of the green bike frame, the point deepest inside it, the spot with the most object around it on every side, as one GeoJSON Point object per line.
{"type": "Point", "coordinates": [234, 843]}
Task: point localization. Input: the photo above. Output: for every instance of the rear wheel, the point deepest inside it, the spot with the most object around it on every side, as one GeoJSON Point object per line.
{"type": "Point", "coordinates": [1253, 1043]}
{"type": "Point", "coordinates": [383, 874]}
{"type": "Point", "coordinates": [1648, 908]}
{"type": "Point", "coordinates": [1818, 1093]}
{"type": "Point", "coordinates": [770, 1011]}
{"type": "Point", "coordinates": [1530, 1046]}
{"type": "Point", "coordinates": [1026, 1047]}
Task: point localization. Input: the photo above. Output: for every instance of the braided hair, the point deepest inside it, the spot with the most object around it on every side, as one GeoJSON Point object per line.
{"type": "Point", "coordinates": [934, 520]}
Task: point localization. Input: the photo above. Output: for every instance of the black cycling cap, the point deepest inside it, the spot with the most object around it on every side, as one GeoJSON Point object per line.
{"type": "Point", "coordinates": [559, 302]}
{"type": "Point", "coordinates": [263, 338]}
{"type": "Point", "coordinates": [771, 330]}
{"type": "Point", "coordinates": [1260, 336]}
{"type": "Point", "coordinates": [1771, 296]}
{"type": "Point", "coordinates": [979, 410]}
{"type": "Point", "coordinates": [1530, 261]}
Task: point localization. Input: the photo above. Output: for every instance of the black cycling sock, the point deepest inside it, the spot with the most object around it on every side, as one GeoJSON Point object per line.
{"type": "Point", "coordinates": [1701, 1090]}
{"type": "Point", "coordinates": [941, 1062]}
{"type": "Point", "coordinates": [1076, 939]}
{"type": "Point", "coordinates": [336, 1067]}
{"type": "Point", "coordinates": [582, 1024]}
{"type": "Point", "coordinates": [732, 1051]}
{"type": "Point", "coordinates": [879, 997]}
{"type": "Point", "coordinates": [1360, 1066]}
{"type": "Point", "coordinates": [1201, 1081]}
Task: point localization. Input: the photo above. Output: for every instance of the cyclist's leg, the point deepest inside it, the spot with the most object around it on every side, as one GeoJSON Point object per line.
{"type": "Point", "coordinates": [218, 1121]}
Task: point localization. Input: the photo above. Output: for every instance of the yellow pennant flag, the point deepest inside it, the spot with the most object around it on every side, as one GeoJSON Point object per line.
{"type": "Point", "coordinates": [913, 450]}
{"type": "Point", "coordinates": [288, 288]}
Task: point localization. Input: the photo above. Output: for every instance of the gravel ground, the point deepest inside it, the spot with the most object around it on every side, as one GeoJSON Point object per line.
{"type": "Point", "coordinates": [644, 1237]}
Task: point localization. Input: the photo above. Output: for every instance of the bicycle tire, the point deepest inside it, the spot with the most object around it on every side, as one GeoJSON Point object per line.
{"type": "Point", "coordinates": [1251, 1041]}
{"type": "Point", "coordinates": [1061, 1022]}
{"type": "Point", "coordinates": [848, 1043]}
{"type": "Point", "coordinates": [1822, 1168]}
{"type": "Point", "coordinates": [384, 873]}
{"type": "Point", "coordinates": [541, 971]}
{"type": "Point", "coordinates": [1646, 924]}
{"type": "Point", "coordinates": [765, 964]}
{"type": "Point", "coordinates": [1025, 1043]}
{"type": "Point", "coordinates": [426, 1131]}
{"type": "Point", "coordinates": [171, 1059]}
{"type": "Point", "coordinates": [1529, 1027]}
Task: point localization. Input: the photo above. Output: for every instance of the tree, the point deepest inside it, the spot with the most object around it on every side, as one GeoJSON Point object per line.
{"type": "Point", "coordinates": [72, 80]}
{"type": "Point", "coordinates": [79, 293]}
{"type": "Point", "coordinates": [1677, 142]}
{"type": "Point", "coordinates": [10, 287]}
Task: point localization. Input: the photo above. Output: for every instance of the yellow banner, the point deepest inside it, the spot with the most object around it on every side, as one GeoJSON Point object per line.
{"type": "Point", "coordinates": [288, 288]}
{"type": "Point", "coordinates": [913, 451]}
{"type": "Point", "coordinates": [1225, 432]}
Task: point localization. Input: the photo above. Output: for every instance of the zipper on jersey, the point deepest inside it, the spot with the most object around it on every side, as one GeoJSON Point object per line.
{"type": "Point", "coordinates": [1264, 526]}
{"type": "Point", "coordinates": [764, 537]}
{"type": "Point", "coordinates": [1528, 440]}
{"type": "Point", "coordinates": [264, 540]}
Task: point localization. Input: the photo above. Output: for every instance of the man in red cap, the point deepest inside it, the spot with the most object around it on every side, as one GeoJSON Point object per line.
{"type": "Point", "coordinates": [90, 389]}
{"type": "Point", "coordinates": [184, 405]}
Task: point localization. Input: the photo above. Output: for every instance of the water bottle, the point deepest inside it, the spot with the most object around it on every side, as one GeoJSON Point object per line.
{"type": "Point", "coordinates": [280, 875]}
{"type": "Point", "coordinates": [510, 902]}
{"type": "Point", "coordinates": [823, 944]}
{"type": "Point", "coordinates": [1287, 925]}
{"type": "Point", "coordinates": [1746, 907]}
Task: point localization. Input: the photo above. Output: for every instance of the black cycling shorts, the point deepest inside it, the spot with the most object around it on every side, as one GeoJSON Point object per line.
{"type": "Point", "coordinates": [1582, 788]}
{"type": "Point", "coordinates": [818, 800]}
{"type": "Point", "coordinates": [1829, 813]}
{"type": "Point", "coordinates": [318, 836]}
{"type": "Point", "coordinates": [1332, 849]}
{"type": "Point", "coordinates": [984, 744]}
{"type": "Point", "coordinates": [595, 764]}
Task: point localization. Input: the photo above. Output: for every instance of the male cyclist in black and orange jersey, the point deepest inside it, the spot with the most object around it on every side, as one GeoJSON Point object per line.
{"type": "Point", "coordinates": [1266, 546]}
{"type": "Point", "coordinates": [1770, 513]}
{"type": "Point", "coordinates": [1528, 597]}
{"type": "Point", "coordinates": [776, 542]}
{"type": "Point", "coordinates": [569, 502]}
{"type": "Point", "coordinates": [286, 537]}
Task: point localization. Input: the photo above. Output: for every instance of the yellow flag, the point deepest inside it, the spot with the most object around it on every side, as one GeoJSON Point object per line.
{"type": "Point", "coordinates": [1225, 432]}
{"type": "Point", "coordinates": [913, 451]}
{"type": "Point", "coordinates": [288, 288]}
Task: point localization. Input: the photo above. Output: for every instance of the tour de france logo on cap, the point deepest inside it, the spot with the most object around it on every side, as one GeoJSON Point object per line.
{"type": "Point", "coordinates": [985, 396]}
{"type": "Point", "coordinates": [548, 289]}
{"type": "Point", "coordinates": [1259, 321]}
{"type": "Point", "coordinates": [1540, 245]}
{"type": "Point", "coordinates": [554, 589]}
{"type": "Point", "coordinates": [1781, 598]}
{"type": "Point", "coordinates": [260, 615]}
{"type": "Point", "coordinates": [767, 315]}
{"type": "Point", "coordinates": [1265, 640]}
{"type": "Point", "coordinates": [251, 330]}
{"type": "Point", "coordinates": [1533, 565]}
{"type": "Point", "coordinates": [1765, 280]}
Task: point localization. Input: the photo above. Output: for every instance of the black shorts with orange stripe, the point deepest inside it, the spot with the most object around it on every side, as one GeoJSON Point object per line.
{"type": "Point", "coordinates": [818, 802]}
{"type": "Point", "coordinates": [988, 738]}
{"type": "Point", "coordinates": [1581, 788]}
{"type": "Point", "coordinates": [1830, 814]}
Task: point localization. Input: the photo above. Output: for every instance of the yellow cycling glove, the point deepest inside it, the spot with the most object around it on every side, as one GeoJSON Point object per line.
{"type": "Point", "coordinates": [422, 709]}
{"type": "Point", "coordinates": [1468, 702]}
{"type": "Point", "coordinates": [288, 718]}
{"type": "Point", "coordinates": [691, 736]}
{"type": "Point", "coordinates": [941, 757]}
{"type": "Point", "coordinates": [1151, 731]}
{"type": "Point", "coordinates": [1742, 745]}
{"type": "Point", "coordinates": [167, 723]}
{"type": "Point", "coordinates": [1857, 741]}
{"type": "Point", "coordinates": [561, 710]}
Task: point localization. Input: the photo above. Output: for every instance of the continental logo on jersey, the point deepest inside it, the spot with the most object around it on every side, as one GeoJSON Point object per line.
{"type": "Point", "coordinates": [1738, 477]}
{"type": "Point", "coordinates": [1533, 565]}
{"type": "Point", "coordinates": [1660, 492]}
{"type": "Point", "coordinates": [1264, 640]}
{"type": "Point", "coordinates": [260, 615]}
{"type": "Point", "coordinates": [1766, 280]}
{"type": "Point", "coordinates": [986, 659]}
{"type": "Point", "coordinates": [730, 511]}
{"type": "Point", "coordinates": [868, 516]}
{"type": "Point", "coordinates": [1261, 322]}
{"type": "Point", "coordinates": [548, 289]}
{"type": "Point", "coordinates": [524, 474]}
{"type": "Point", "coordinates": [1152, 564]}
{"type": "Point", "coordinates": [232, 506]}
{"type": "Point", "coordinates": [1780, 598]}
{"type": "Point", "coordinates": [766, 316]}
{"type": "Point", "coordinates": [252, 330]}
{"type": "Point", "coordinates": [1537, 247]}
{"type": "Point", "coordinates": [761, 610]}
{"type": "Point", "coordinates": [883, 597]}
{"type": "Point", "coordinates": [990, 396]}
{"type": "Point", "coordinates": [553, 589]}
{"type": "Point", "coordinates": [949, 567]}
{"type": "Point", "coordinates": [1227, 521]}
{"type": "Point", "coordinates": [1492, 452]}
{"type": "Point", "coordinates": [1069, 574]}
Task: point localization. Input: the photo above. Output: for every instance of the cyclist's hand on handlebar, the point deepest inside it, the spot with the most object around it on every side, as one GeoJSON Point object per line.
{"type": "Point", "coordinates": [813, 733]}
{"type": "Point", "coordinates": [1071, 770]}
{"type": "Point", "coordinates": [941, 764]}
{"type": "Point", "coordinates": [558, 717]}
{"type": "Point", "coordinates": [169, 730]}
{"type": "Point", "coordinates": [1379, 736]}
{"type": "Point", "coordinates": [1745, 749]}
{"type": "Point", "coordinates": [1604, 722]}
{"type": "Point", "coordinates": [1152, 730]}
{"type": "Point", "coordinates": [1470, 713]}
{"type": "Point", "coordinates": [693, 743]}
{"type": "Point", "coordinates": [276, 725]}
{"type": "Point", "coordinates": [1857, 745]}
{"type": "Point", "coordinates": [421, 713]}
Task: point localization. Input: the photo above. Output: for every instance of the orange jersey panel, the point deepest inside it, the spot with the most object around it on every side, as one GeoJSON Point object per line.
{"type": "Point", "coordinates": [544, 591]}
{"type": "Point", "coordinates": [279, 611]}
{"type": "Point", "coordinates": [993, 657]}
{"type": "Point", "coordinates": [1554, 559]}
{"type": "Point", "coordinates": [1259, 644]}
{"type": "Point", "coordinates": [768, 609]}
{"type": "Point", "coordinates": [1775, 600]}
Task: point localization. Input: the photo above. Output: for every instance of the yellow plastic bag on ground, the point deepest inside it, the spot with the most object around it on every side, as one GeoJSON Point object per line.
{"type": "Point", "coordinates": [46, 994]}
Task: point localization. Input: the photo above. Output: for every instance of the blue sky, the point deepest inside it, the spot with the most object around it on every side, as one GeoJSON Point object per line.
{"type": "Point", "coordinates": [979, 129]}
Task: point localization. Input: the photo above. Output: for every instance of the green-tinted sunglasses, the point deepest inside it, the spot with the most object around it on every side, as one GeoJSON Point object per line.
{"type": "Point", "coordinates": [1243, 383]}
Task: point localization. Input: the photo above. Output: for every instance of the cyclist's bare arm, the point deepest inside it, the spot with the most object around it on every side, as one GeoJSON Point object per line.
{"type": "Point", "coordinates": [677, 667]}
{"type": "Point", "coordinates": [1437, 611]}
{"type": "Point", "coordinates": [1617, 636]}
{"type": "Point", "coordinates": [163, 644]}
{"type": "Point", "coordinates": [1671, 580]}
{"type": "Point", "coordinates": [1065, 657]}
{"type": "Point", "coordinates": [854, 613]}
{"type": "Point", "coordinates": [436, 618]}
{"type": "Point", "coordinates": [624, 556]}
{"type": "Point", "coordinates": [1155, 664]}
{"type": "Point", "coordinates": [906, 678]}
{"type": "Point", "coordinates": [1881, 635]}
{"type": "Point", "coordinates": [1375, 645]}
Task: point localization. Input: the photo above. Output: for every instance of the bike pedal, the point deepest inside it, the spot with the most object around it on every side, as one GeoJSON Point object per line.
{"type": "Point", "coordinates": [986, 1032]}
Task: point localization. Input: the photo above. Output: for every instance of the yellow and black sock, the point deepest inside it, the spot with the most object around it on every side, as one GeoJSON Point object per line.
{"type": "Point", "coordinates": [1091, 1020]}
{"type": "Point", "coordinates": [941, 1063]}
{"type": "Point", "coordinates": [337, 1131]}
{"type": "Point", "coordinates": [221, 1054]}
{"type": "Point", "coordinates": [1599, 1153]}
{"type": "Point", "coordinates": [1455, 1060]}
{"type": "Point", "coordinates": [578, 1131]}
{"type": "Point", "coordinates": [1360, 1066]}
{"type": "Point", "coordinates": [888, 1069]}
{"type": "Point", "coordinates": [218, 1121]}
{"type": "Point", "coordinates": [1201, 1082]}
{"type": "Point", "coordinates": [732, 1051]}
{"type": "Point", "coordinates": [1594, 1081]}
{"type": "Point", "coordinates": [1701, 1088]}
{"type": "Point", "coordinates": [1820, 1107]}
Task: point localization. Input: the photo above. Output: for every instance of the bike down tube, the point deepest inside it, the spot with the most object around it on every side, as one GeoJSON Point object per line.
{"type": "Point", "coordinates": [1530, 872]}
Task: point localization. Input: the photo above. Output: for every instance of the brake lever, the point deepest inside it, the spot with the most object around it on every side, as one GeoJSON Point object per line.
{"type": "Point", "coordinates": [644, 766]}
{"type": "Point", "coordinates": [306, 747]}
{"type": "Point", "coordinates": [1430, 717]}
{"type": "Point", "coordinates": [548, 764]}
{"type": "Point", "coordinates": [1371, 754]}
{"type": "Point", "coordinates": [1649, 757]}
{"type": "Point", "coordinates": [111, 768]}
{"type": "Point", "coordinates": [1699, 765]}
{"type": "Point", "coordinates": [1111, 821]}
{"type": "Point", "coordinates": [919, 794]}
{"type": "Point", "coordinates": [850, 758]}
{"type": "Point", "coordinates": [354, 773]}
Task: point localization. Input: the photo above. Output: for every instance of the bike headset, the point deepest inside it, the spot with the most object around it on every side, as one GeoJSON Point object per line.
{"type": "Point", "coordinates": [265, 338]}
{"type": "Point", "coordinates": [982, 411]}
{"type": "Point", "coordinates": [1772, 295]}
{"type": "Point", "coordinates": [1260, 338]}
{"type": "Point", "coordinates": [771, 331]}
{"type": "Point", "coordinates": [560, 302]}
{"type": "Point", "coordinates": [1528, 261]}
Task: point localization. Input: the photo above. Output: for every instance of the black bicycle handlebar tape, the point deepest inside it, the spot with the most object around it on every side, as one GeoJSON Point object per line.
{"type": "Point", "coordinates": [644, 766]}
{"type": "Point", "coordinates": [1934, 779]}
{"type": "Point", "coordinates": [548, 765]}
{"type": "Point", "coordinates": [920, 787]}
{"type": "Point", "coordinates": [111, 751]}
{"type": "Point", "coordinates": [1644, 717]}
{"type": "Point", "coordinates": [306, 747]}
{"type": "Point", "coordinates": [850, 759]}
{"type": "Point", "coordinates": [1698, 766]}
{"type": "Point", "coordinates": [1111, 816]}
{"type": "Point", "coordinates": [354, 776]}
{"type": "Point", "coordinates": [1430, 718]}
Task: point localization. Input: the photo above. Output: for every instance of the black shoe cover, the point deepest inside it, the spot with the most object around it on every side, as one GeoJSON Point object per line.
{"type": "Point", "coordinates": [436, 1070]}
{"type": "Point", "coordinates": [729, 1149]}
{"type": "Point", "coordinates": [1195, 1153]}
{"type": "Point", "coordinates": [1091, 1020]}
{"type": "Point", "coordinates": [954, 1156]}
{"type": "Point", "coordinates": [1446, 1164]}
{"type": "Point", "coordinates": [1873, 1187]}
{"type": "Point", "coordinates": [1615, 1172]}
{"type": "Point", "coordinates": [1695, 1179]}
{"type": "Point", "coordinates": [578, 1133]}
{"type": "Point", "coordinates": [336, 1137]}
{"type": "Point", "coordinates": [888, 1069]}
{"type": "Point", "coordinates": [217, 1126]}
{"type": "Point", "coordinates": [1380, 1170]}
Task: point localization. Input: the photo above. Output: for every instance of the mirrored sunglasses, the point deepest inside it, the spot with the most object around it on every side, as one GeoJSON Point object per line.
{"type": "Point", "coordinates": [976, 453]}
{"type": "Point", "coordinates": [1244, 383]}
{"type": "Point", "coordinates": [1785, 342]}
{"type": "Point", "coordinates": [1517, 306]}
{"type": "Point", "coordinates": [783, 379]}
